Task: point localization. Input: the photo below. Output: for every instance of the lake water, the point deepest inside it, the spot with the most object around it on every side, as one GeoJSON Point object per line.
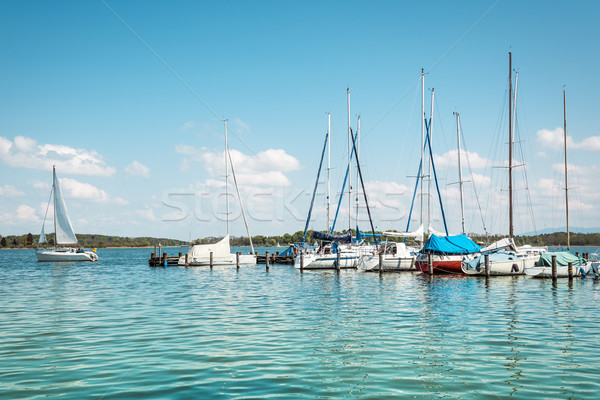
{"type": "Point", "coordinates": [118, 329]}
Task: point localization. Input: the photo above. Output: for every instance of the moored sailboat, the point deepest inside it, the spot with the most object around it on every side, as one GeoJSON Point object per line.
{"type": "Point", "coordinates": [220, 253]}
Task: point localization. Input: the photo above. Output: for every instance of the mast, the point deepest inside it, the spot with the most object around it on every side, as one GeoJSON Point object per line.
{"type": "Point", "coordinates": [357, 172]}
{"type": "Point", "coordinates": [237, 189]}
{"type": "Point", "coordinates": [349, 164]}
{"type": "Point", "coordinates": [422, 137]}
{"type": "Point", "coordinates": [430, 132]}
{"type": "Point", "coordinates": [460, 180]}
{"type": "Point", "coordinates": [566, 176]}
{"type": "Point", "coordinates": [510, 148]}
{"type": "Point", "coordinates": [54, 211]}
{"type": "Point", "coordinates": [226, 175]}
{"type": "Point", "coordinates": [328, 165]}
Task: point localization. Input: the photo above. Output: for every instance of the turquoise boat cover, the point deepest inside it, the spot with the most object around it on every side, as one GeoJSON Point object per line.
{"type": "Point", "coordinates": [563, 258]}
{"type": "Point", "coordinates": [459, 244]}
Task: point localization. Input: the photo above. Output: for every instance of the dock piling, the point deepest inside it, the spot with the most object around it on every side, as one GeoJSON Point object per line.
{"type": "Point", "coordinates": [337, 262]}
{"type": "Point", "coordinates": [554, 271]}
{"type": "Point", "coordinates": [164, 259]}
{"type": "Point", "coordinates": [380, 262]}
{"type": "Point", "coordinates": [267, 260]}
{"type": "Point", "coordinates": [186, 260]}
{"type": "Point", "coordinates": [210, 259]}
{"type": "Point", "coordinates": [301, 261]}
{"type": "Point", "coordinates": [487, 265]}
{"type": "Point", "coordinates": [237, 260]}
{"type": "Point", "coordinates": [430, 264]}
{"type": "Point", "coordinates": [570, 271]}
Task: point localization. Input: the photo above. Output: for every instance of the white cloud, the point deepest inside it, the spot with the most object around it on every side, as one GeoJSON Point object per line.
{"type": "Point", "coordinates": [186, 149]}
{"type": "Point", "coordinates": [266, 168]}
{"type": "Point", "coordinates": [27, 153]}
{"type": "Point", "coordinates": [146, 213]}
{"type": "Point", "coordinates": [10, 191]}
{"type": "Point", "coordinates": [41, 185]}
{"type": "Point", "coordinates": [27, 213]}
{"type": "Point", "coordinates": [188, 125]}
{"type": "Point", "coordinates": [450, 159]}
{"type": "Point", "coordinates": [85, 191]}
{"type": "Point", "coordinates": [136, 168]}
{"type": "Point", "coordinates": [554, 139]}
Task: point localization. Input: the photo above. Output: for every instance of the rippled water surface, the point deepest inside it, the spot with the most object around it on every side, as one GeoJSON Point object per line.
{"type": "Point", "coordinates": [120, 329]}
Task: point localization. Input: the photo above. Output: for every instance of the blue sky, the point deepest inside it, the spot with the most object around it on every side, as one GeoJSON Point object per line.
{"type": "Point", "coordinates": [126, 99]}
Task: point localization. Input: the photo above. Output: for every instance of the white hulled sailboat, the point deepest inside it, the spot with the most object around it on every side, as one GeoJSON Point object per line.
{"type": "Point", "coordinates": [63, 232]}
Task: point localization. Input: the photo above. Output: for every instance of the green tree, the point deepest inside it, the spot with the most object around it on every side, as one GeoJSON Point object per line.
{"type": "Point", "coordinates": [29, 239]}
{"type": "Point", "coordinates": [3, 242]}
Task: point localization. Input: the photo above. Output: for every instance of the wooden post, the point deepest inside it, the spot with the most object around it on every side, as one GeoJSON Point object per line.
{"type": "Point", "coordinates": [337, 261]}
{"type": "Point", "coordinates": [267, 260]}
{"type": "Point", "coordinates": [210, 259]}
{"type": "Point", "coordinates": [186, 260]}
{"type": "Point", "coordinates": [577, 253]}
{"type": "Point", "coordinates": [554, 272]}
{"type": "Point", "coordinates": [301, 261]}
{"type": "Point", "coordinates": [487, 265]}
{"type": "Point", "coordinates": [152, 259]}
{"type": "Point", "coordinates": [237, 260]}
{"type": "Point", "coordinates": [164, 261]}
{"type": "Point", "coordinates": [380, 262]}
{"type": "Point", "coordinates": [430, 263]}
{"type": "Point", "coordinates": [571, 271]}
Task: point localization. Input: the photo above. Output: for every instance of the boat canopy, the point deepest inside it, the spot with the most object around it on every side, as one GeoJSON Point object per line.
{"type": "Point", "coordinates": [563, 258]}
{"type": "Point", "coordinates": [345, 238]}
{"type": "Point", "coordinates": [506, 243]}
{"type": "Point", "coordinates": [219, 249]}
{"type": "Point", "coordinates": [458, 244]}
{"type": "Point", "coordinates": [417, 235]}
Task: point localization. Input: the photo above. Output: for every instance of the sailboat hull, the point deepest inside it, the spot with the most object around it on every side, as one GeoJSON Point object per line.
{"type": "Point", "coordinates": [65, 255]}
{"type": "Point", "coordinates": [390, 263]}
{"type": "Point", "coordinates": [442, 264]}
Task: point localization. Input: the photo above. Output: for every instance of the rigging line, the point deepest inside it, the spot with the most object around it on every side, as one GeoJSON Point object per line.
{"type": "Point", "coordinates": [172, 71]}
{"type": "Point", "coordinates": [463, 36]}
{"type": "Point", "coordinates": [460, 39]}
{"type": "Point", "coordinates": [464, 142]}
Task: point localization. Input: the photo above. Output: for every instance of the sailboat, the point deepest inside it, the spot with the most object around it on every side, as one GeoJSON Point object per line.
{"type": "Point", "coordinates": [336, 251]}
{"type": "Point", "coordinates": [63, 232]}
{"type": "Point", "coordinates": [505, 258]}
{"type": "Point", "coordinates": [580, 266]}
{"type": "Point", "coordinates": [220, 253]}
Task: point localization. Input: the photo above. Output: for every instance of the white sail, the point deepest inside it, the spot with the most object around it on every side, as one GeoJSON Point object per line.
{"type": "Point", "coordinates": [42, 236]}
{"type": "Point", "coordinates": [64, 229]}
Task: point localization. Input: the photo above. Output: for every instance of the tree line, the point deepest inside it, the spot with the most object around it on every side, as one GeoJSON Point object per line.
{"type": "Point", "coordinates": [87, 240]}
{"type": "Point", "coordinates": [92, 240]}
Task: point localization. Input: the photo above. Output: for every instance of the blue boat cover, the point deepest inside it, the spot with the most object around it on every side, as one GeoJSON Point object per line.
{"type": "Point", "coordinates": [459, 244]}
{"type": "Point", "coordinates": [345, 238]}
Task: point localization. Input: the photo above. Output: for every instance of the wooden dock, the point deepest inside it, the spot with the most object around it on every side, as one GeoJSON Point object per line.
{"type": "Point", "coordinates": [274, 259]}
{"type": "Point", "coordinates": [163, 261]}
